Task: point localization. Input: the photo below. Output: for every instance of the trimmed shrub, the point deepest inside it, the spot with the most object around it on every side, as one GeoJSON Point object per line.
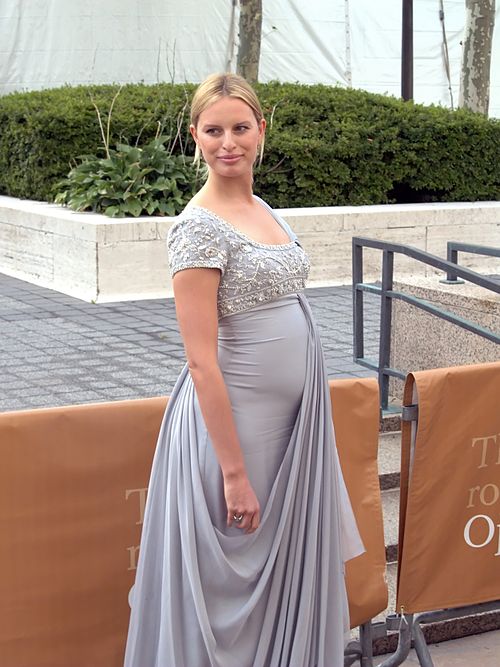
{"type": "Point", "coordinates": [43, 132]}
{"type": "Point", "coordinates": [324, 146]}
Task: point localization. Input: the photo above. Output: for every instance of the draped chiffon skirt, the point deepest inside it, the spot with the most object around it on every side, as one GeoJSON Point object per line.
{"type": "Point", "coordinates": [207, 595]}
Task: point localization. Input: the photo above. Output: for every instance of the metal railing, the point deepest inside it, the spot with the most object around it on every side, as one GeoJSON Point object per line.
{"type": "Point", "coordinates": [454, 247]}
{"type": "Point", "coordinates": [387, 294]}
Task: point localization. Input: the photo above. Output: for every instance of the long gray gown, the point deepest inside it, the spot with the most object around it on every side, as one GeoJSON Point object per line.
{"type": "Point", "coordinates": [209, 596]}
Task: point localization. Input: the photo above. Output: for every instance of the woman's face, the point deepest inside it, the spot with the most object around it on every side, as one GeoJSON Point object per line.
{"type": "Point", "coordinates": [228, 136]}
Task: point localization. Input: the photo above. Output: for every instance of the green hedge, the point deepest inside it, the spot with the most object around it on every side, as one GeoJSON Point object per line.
{"type": "Point", "coordinates": [324, 146]}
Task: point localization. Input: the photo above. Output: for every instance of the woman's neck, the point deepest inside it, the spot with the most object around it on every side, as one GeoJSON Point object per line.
{"type": "Point", "coordinates": [231, 191]}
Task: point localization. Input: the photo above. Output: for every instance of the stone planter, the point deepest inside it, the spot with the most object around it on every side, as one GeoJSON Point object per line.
{"type": "Point", "coordinates": [95, 258]}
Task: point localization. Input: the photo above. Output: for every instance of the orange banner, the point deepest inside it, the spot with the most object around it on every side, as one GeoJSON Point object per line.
{"type": "Point", "coordinates": [450, 490]}
{"type": "Point", "coordinates": [72, 490]}
{"type": "Point", "coordinates": [356, 412]}
{"type": "Point", "coordinates": [73, 485]}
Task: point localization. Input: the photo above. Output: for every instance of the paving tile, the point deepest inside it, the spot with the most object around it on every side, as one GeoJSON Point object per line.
{"type": "Point", "coordinates": [90, 362]}
{"type": "Point", "coordinates": [109, 353]}
{"type": "Point", "coordinates": [72, 397]}
{"type": "Point", "coordinates": [120, 392]}
{"type": "Point", "coordinates": [52, 382]}
{"type": "Point", "coordinates": [100, 384]}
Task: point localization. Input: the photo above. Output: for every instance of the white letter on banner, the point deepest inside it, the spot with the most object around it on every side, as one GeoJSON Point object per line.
{"type": "Point", "coordinates": [491, 531]}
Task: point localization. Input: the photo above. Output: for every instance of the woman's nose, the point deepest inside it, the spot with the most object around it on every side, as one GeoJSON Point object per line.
{"type": "Point", "coordinates": [228, 142]}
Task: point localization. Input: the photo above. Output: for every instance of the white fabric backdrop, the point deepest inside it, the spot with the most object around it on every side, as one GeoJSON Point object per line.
{"type": "Point", "coordinates": [47, 43]}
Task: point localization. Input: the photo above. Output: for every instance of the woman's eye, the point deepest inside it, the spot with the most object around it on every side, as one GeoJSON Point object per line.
{"type": "Point", "coordinates": [242, 128]}
{"type": "Point", "coordinates": [212, 131]}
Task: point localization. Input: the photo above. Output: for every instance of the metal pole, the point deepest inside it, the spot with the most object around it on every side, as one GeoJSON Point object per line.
{"type": "Point", "coordinates": [404, 640]}
{"type": "Point", "coordinates": [348, 59]}
{"type": "Point", "coordinates": [407, 51]}
{"type": "Point", "coordinates": [451, 276]}
{"type": "Point", "coordinates": [366, 641]}
{"type": "Point", "coordinates": [384, 355]}
{"type": "Point", "coordinates": [357, 295]}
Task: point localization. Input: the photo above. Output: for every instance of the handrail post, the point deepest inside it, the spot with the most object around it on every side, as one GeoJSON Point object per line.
{"type": "Point", "coordinates": [357, 295]}
{"type": "Point", "coordinates": [385, 327]}
{"type": "Point", "coordinates": [451, 256]}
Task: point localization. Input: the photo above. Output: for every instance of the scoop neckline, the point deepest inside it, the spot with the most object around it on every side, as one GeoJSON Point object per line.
{"type": "Point", "coordinates": [242, 234]}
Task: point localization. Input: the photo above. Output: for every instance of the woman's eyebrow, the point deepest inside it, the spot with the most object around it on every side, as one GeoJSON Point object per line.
{"type": "Point", "coordinates": [239, 122]}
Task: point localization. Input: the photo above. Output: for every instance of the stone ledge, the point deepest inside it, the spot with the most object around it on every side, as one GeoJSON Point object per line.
{"type": "Point", "coordinates": [96, 258]}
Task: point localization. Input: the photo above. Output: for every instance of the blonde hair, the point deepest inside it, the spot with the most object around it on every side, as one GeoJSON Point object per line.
{"type": "Point", "coordinates": [217, 86]}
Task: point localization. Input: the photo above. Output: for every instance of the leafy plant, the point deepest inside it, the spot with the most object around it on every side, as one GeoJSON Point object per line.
{"type": "Point", "coordinates": [130, 180]}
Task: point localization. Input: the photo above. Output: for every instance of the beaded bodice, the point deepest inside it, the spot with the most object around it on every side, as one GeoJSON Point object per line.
{"type": "Point", "coordinates": [252, 273]}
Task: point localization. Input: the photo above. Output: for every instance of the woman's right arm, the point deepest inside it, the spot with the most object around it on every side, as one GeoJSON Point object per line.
{"type": "Point", "coordinates": [195, 293]}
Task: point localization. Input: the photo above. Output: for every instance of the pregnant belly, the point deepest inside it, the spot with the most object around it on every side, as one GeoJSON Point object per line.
{"type": "Point", "coordinates": [262, 354]}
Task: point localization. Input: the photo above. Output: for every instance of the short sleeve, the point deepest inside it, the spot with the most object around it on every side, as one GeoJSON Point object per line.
{"type": "Point", "coordinates": [196, 242]}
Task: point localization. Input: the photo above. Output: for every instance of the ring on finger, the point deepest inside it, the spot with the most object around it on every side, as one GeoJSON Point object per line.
{"type": "Point", "coordinates": [238, 518]}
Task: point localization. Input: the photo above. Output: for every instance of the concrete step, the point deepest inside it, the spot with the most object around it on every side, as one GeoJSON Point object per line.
{"type": "Point", "coordinates": [389, 459]}
{"type": "Point", "coordinates": [389, 463]}
{"type": "Point", "coordinates": [390, 514]}
{"type": "Point", "coordinates": [391, 421]}
{"type": "Point", "coordinates": [391, 578]}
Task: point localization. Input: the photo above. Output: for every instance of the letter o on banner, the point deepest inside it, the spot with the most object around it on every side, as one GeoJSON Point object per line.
{"type": "Point", "coordinates": [491, 531]}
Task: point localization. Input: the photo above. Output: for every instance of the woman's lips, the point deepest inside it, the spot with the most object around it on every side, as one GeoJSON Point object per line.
{"type": "Point", "coordinates": [229, 159]}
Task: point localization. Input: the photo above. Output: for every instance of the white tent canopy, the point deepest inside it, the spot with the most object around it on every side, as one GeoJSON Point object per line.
{"type": "Point", "coordinates": [48, 43]}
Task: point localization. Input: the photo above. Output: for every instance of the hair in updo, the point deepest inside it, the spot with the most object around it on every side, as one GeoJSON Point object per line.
{"type": "Point", "coordinates": [217, 86]}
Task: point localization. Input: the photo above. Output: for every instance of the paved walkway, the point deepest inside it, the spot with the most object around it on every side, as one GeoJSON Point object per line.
{"type": "Point", "coordinates": [57, 350]}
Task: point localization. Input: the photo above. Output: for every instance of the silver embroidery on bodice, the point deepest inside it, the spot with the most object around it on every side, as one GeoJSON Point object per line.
{"type": "Point", "coordinates": [252, 273]}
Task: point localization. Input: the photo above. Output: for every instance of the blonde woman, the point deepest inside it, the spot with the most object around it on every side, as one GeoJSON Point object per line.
{"type": "Point", "coordinates": [248, 523]}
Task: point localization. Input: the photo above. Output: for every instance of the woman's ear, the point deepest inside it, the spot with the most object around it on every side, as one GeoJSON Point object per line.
{"type": "Point", "coordinates": [197, 152]}
{"type": "Point", "coordinates": [260, 145]}
{"type": "Point", "coordinates": [262, 127]}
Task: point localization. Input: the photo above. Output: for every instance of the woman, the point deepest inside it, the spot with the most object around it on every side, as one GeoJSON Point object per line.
{"type": "Point", "coordinates": [247, 522]}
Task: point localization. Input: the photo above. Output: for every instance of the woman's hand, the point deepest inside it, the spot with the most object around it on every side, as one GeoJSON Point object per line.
{"type": "Point", "coordinates": [241, 501]}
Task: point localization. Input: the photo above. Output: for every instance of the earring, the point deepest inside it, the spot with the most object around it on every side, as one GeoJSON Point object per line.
{"type": "Point", "coordinates": [197, 155]}
{"type": "Point", "coordinates": [260, 153]}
